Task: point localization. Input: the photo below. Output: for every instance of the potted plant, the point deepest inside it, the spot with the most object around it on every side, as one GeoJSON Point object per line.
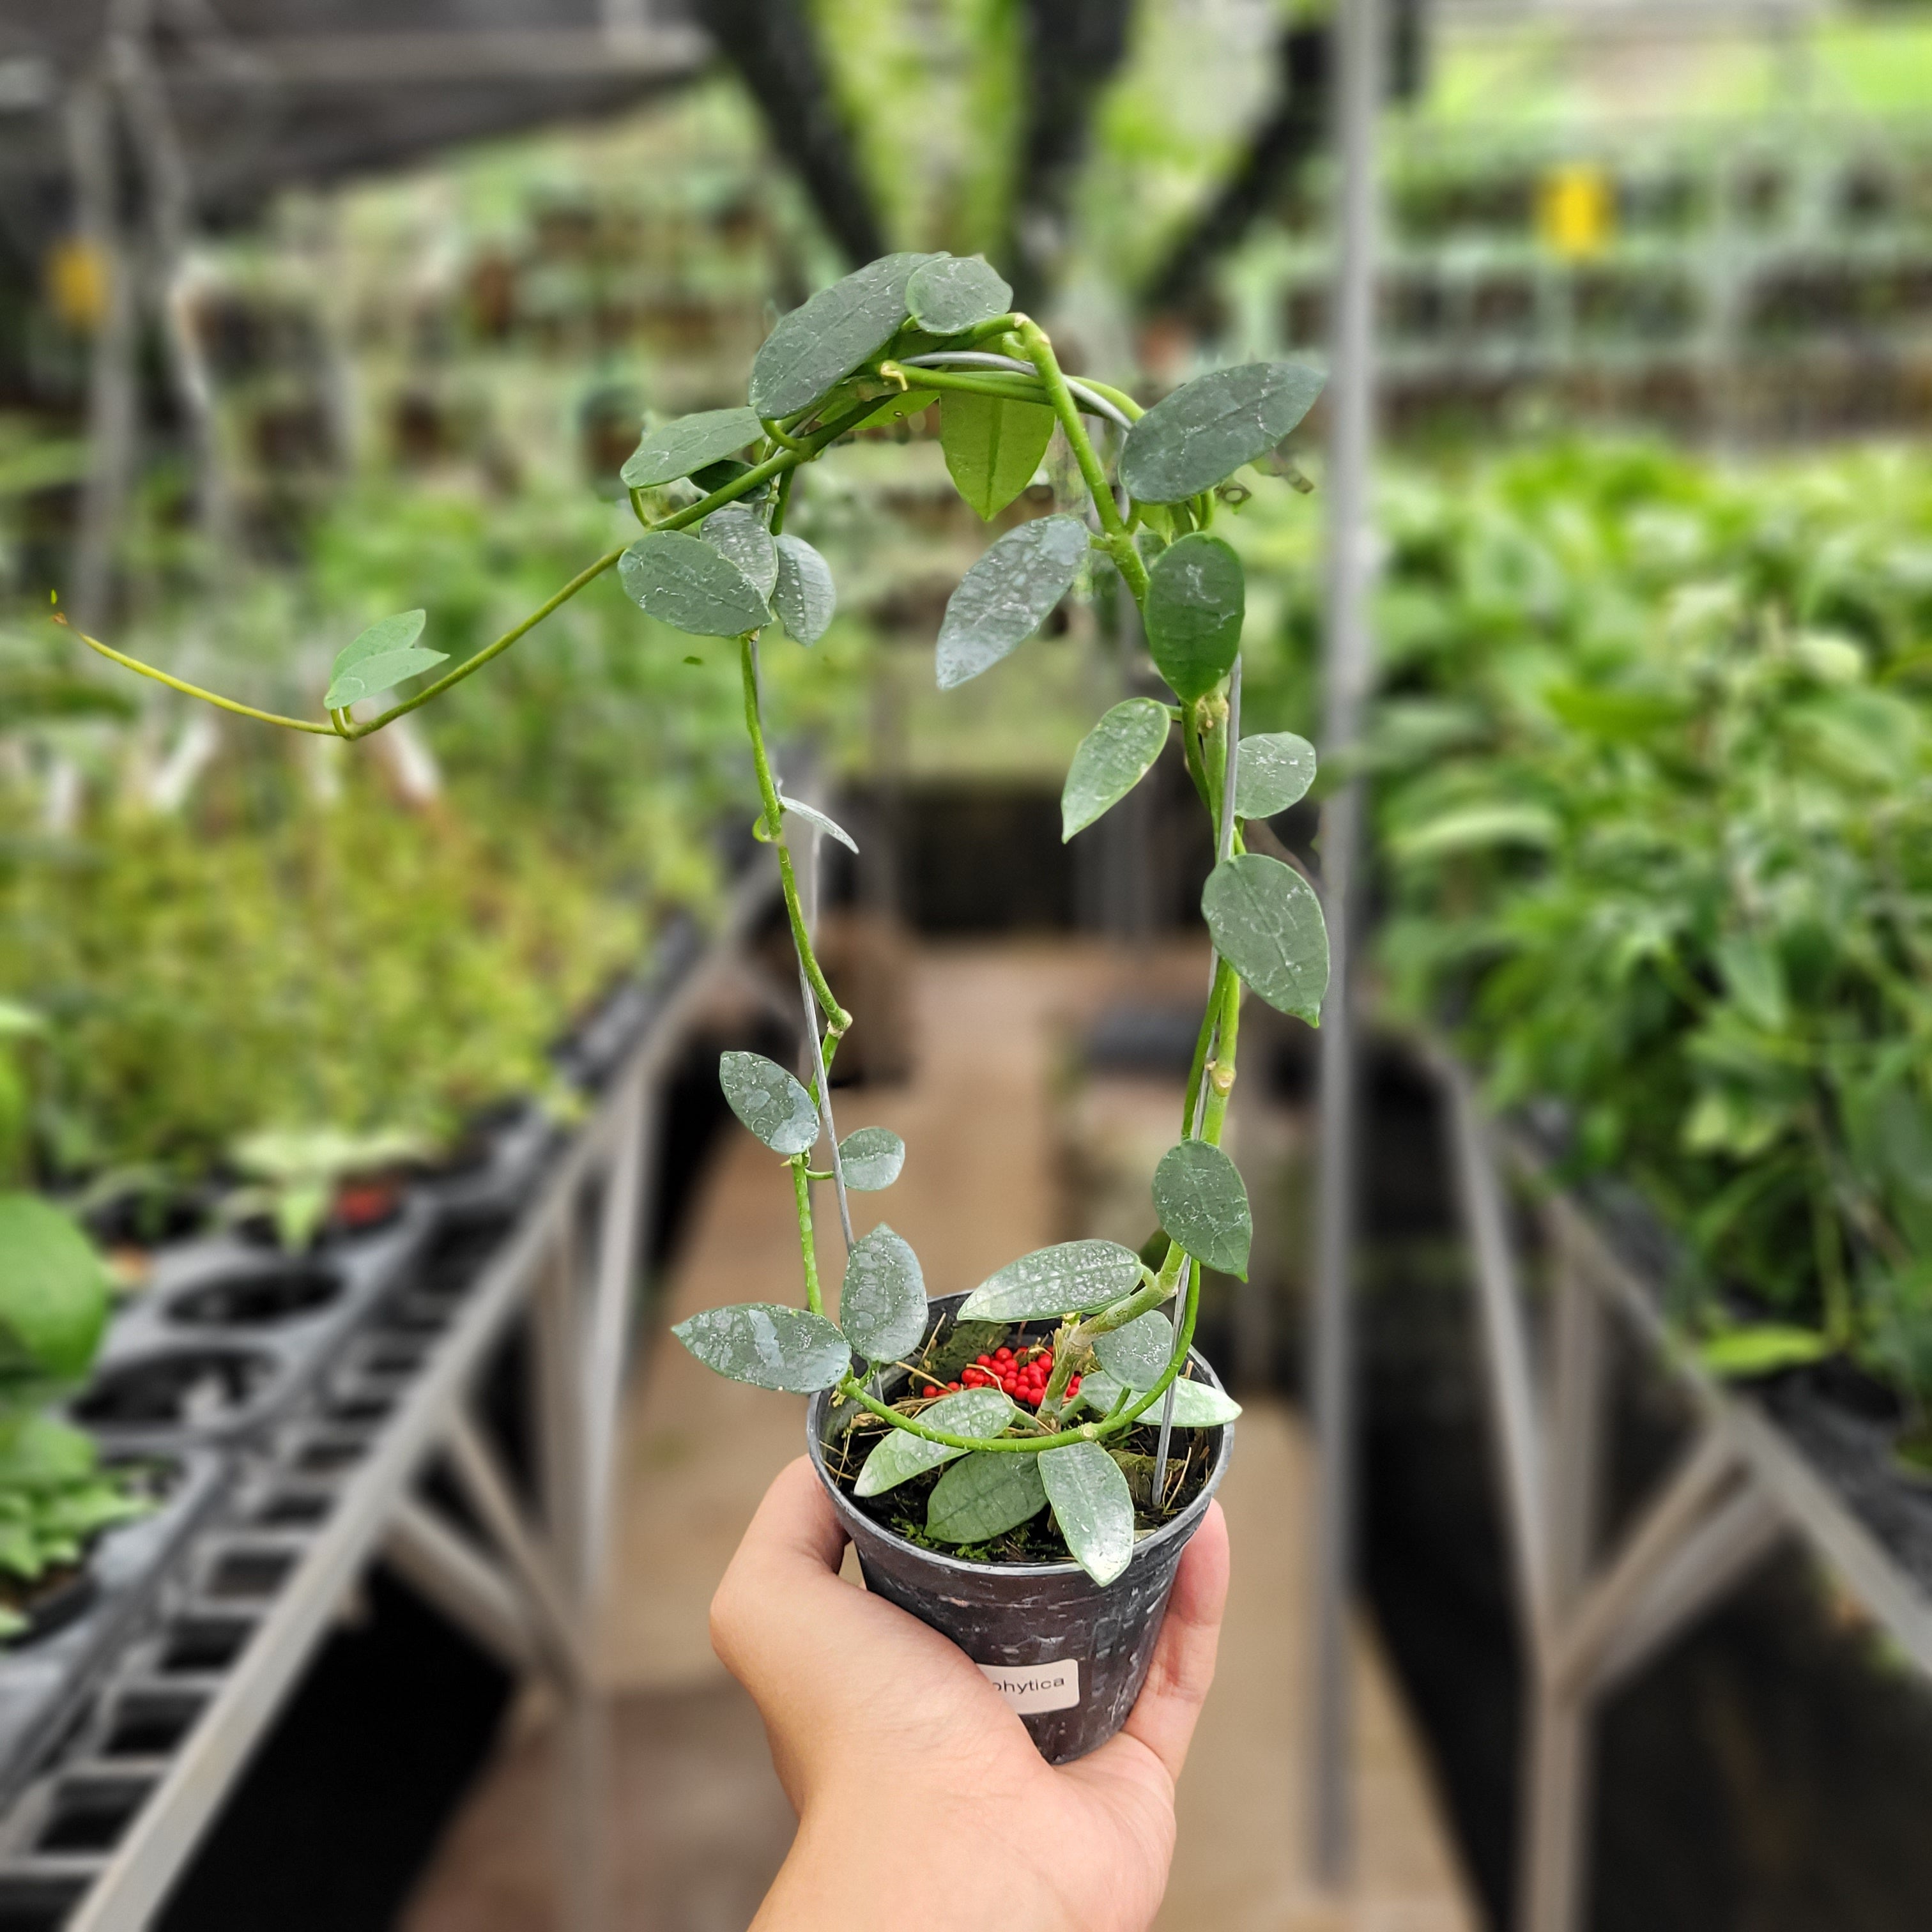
{"type": "Point", "coordinates": [1005, 1459]}
{"type": "Point", "coordinates": [56, 1497]}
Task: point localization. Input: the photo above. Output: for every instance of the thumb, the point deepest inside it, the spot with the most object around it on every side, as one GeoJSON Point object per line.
{"type": "Point", "coordinates": [1164, 1715]}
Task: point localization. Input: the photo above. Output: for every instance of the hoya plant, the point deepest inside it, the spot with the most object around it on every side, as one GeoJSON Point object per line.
{"type": "Point", "coordinates": [1077, 1343]}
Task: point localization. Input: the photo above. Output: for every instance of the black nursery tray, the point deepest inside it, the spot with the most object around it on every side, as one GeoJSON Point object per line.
{"type": "Point", "coordinates": [45, 1681]}
{"type": "Point", "coordinates": [227, 1333]}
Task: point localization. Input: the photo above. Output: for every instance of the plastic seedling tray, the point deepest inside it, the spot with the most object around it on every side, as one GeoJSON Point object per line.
{"type": "Point", "coordinates": [43, 1683]}
{"type": "Point", "coordinates": [226, 1333]}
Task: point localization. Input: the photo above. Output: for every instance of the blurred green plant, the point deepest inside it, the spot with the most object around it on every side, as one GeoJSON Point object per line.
{"type": "Point", "coordinates": [54, 1496]}
{"type": "Point", "coordinates": [1653, 763]}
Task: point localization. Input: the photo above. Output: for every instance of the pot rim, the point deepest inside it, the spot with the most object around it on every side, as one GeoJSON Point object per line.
{"type": "Point", "coordinates": [1182, 1525]}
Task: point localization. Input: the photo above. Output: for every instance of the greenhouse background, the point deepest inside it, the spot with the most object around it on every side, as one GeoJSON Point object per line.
{"type": "Point", "coordinates": [360, 1112]}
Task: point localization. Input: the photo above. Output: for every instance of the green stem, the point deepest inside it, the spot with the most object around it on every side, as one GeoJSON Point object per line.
{"type": "Point", "coordinates": [837, 1019]}
{"type": "Point", "coordinates": [470, 666]}
{"type": "Point", "coordinates": [195, 690]}
{"type": "Point", "coordinates": [1039, 351]}
{"type": "Point", "coordinates": [1220, 1071]}
{"type": "Point", "coordinates": [801, 1189]}
{"type": "Point", "coordinates": [1225, 989]}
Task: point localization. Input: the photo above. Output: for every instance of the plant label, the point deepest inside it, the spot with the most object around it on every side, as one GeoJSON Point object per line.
{"type": "Point", "coordinates": [1033, 1688]}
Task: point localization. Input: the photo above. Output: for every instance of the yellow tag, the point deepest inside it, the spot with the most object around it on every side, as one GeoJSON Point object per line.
{"type": "Point", "coordinates": [1577, 210]}
{"type": "Point", "coordinates": [76, 279]}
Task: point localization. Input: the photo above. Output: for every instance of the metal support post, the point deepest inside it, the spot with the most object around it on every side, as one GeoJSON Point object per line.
{"type": "Point", "coordinates": [1590, 1623]}
{"type": "Point", "coordinates": [1350, 566]}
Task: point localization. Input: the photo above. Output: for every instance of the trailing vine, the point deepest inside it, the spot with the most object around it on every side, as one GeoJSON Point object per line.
{"type": "Point", "coordinates": [895, 336]}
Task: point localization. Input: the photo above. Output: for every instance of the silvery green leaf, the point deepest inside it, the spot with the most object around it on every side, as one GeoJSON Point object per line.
{"type": "Point", "coordinates": [992, 445]}
{"type": "Point", "coordinates": [383, 656]}
{"type": "Point", "coordinates": [823, 340]}
{"type": "Point", "coordinates": [1136, 1354]}
{"type": "Point", "coordinates": [1202, 433]}
{"type": "Point", "coordinates": [1008, 595]}
{"type": "Point", "coordinates": [1071, 1279]}
{"type": "Point", "coordinates": [812, 815]}
{"type": "Point", "coordinates": [768, 1101]}
{"type": "Point", "coordinates": [871, 1158]}
{"type": "Point", "coordinates": [1273, 772]}
{"type": "Point", "coordinates": [1092, 1506]}
{"type": "Point", "coordinates": [53, 1288]}
{"type": "Point", "coordinates": [682, 581]}
{"type": "Point", "coordinates": [677, 448]}
{"type": "Point", "coordinates": [882, 1305]}
{"type": "Point", "coordinates": [1112, 759]}
{"type": "Point", "coordinates": [1195, 600]}
{"type": "Point", "coordinates": [956, 293]}
{"type": "Point", "coordinates": [1203, 1204]}
{"type": "Point", "coordinates": [740, 535]}
{"type": "Point", "coordinates": [984, 1494]}
{"type": "Point", "coordinates": [974, 1412]}
{"type": "Point", "coordinates": [804, 597]}
{"type": "Point", "coordinates": [770, 1345]}
{"type": "Point", "coordinates": [1196, 1404]}
{"type": "Point", "coordinates": [1267, 924]}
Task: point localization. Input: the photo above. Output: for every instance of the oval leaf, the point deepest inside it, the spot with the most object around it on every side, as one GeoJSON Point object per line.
{"type": "Point", "coordinates": [1203, 1204]}
{"type": "Point", "coordinates": [682, 581]}
{"type": "Point", "coordinates": [804, 596]}
{"type": "Point", "coordinates": [1273, 772]}
{"type": "Point", "coordinates": [955, 292]}
{"type": "Point", "coordinates": [1008, 595]}
{"type": "Point", "coordinates": [383, 656]}
{"type": "Point", "coordinates": [770, 1345]}
{"type": "Point", "coordinates": [739, 535]}
{"type": "Point", "coordinates": [813, 816]}
{"type": "Point", "coordinates": [1204, 432]}
{"type": "Point", "coordinates": [871, 1158]}
{"type": "Point", "coordinates": [823, 340]}
{"type": "Point", "coordinates": [768, 1101]}
{"type": "Point", "coordinates": [1113, 758]}
{"type": "Point", "coordinates": [1267, 924]}
{"type": "Point", "coordinates": [1092, 1505]}
{"type": "Point", "coordinates": [974, 1411]}
{"type": "Point", "coordinates": [53, 1289]}
{"type": "Point", "coordinates": [882, 1304]}
{"type": "Point", "coordinates": [984, 1494]}
{"type": "Point", "coordinates": [1137, 1355]}
{"type": "Point", "coordinates": [1196, 1404]}
{"type": "Point", "coordinates": [992, 446]}
{"type": "Point", "coordinates": [1195, 600]}
{"type": "Point", "coordinates": [691, 442]}
{"type": "Point", "coordinates": [1071, 1279]}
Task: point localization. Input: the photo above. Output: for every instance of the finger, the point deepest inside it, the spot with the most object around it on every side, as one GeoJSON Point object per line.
{"type": "Point", "coordinates": [793, 1542]}
{"type": "Point", "coordinates": [1164, 1715]}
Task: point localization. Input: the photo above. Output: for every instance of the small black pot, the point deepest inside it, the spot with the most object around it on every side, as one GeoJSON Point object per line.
{"type": "Point", "coordinates": [1068, 1655]}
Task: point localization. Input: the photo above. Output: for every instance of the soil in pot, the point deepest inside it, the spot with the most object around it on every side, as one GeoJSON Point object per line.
{"type": "Point", "coordinates": [46, 1603]}
{"type": "Point", "coordinates": [1069, 1655]}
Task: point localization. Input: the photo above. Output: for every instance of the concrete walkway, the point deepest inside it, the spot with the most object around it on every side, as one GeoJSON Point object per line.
{"type": "Point", "coordinates": [699, 1823]}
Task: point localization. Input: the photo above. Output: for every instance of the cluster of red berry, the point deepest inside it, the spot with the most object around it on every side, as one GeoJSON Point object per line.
{"type": "Point", "coordinates": [1023, 1377]}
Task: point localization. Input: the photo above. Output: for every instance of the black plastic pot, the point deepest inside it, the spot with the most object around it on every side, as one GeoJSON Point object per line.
{"type": "Point", "coordinates": [1068, 1655]}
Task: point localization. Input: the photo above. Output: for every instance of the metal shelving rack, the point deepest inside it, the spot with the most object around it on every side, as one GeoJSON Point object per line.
{"type": "Point", "coordinates": [96, 1839]}
{"type": "Point", "coordinates": [1752, 278]}
{"type": "Point", "coordinates": [1594, 1619]}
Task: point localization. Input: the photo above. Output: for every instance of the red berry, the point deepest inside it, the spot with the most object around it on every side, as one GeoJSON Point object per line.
{"type": "Point", "coordinates": [952, 1385]}
{"type": "Point", "coordinates": [1003, 1354]}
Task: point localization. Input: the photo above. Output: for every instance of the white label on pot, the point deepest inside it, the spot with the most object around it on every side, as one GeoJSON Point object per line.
{"type": "Point", "coordinates": [1031, 1688]}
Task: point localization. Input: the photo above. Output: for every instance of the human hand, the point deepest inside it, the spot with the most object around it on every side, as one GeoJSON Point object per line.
{"type": "Point", "coordinates": [914, 1784]}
